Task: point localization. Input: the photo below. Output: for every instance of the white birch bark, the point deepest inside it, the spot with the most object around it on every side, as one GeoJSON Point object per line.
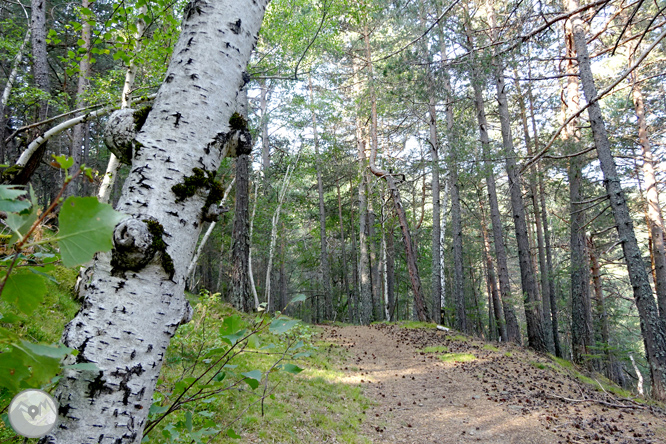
{"type": "Point", "coordinates": [109, 179]}
{"type": "Point", "coordinates": [129, 316]}
{"type": "Point", "coordinates": [253, 286]}
{"type": "Point", "coordinates": [211, 227]}
{"type": "Point", "coordinates": [14, 72]}
{"type": "Point", "coordinates": [274, 221]}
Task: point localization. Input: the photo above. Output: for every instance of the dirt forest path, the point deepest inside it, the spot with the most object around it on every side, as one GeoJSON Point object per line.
{"type": "Point", "coordinates": [504, 395]}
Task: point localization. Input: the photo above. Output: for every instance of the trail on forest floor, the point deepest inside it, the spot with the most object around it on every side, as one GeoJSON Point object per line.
{"type": "Point", "coordinates": [506, 394]}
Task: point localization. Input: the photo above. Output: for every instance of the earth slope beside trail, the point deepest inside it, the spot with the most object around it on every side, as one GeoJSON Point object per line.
{"type": "Point", "coordinates": [503, 395]}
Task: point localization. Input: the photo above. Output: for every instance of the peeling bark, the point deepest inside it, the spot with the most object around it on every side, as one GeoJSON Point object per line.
{"type": "Point", "coordinates": [128, 317]}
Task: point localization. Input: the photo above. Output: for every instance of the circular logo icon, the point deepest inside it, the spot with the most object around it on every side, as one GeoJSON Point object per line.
{"type": "Point", "coordinates": [33, 413]}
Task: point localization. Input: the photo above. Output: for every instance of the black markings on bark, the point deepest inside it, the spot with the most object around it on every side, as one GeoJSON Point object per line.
{"type": "Point", "coordinates": [235, 27]}
{"type": "Point", "coordinates": [97, 387]}
{"type": "Point", "coordinates": [125, 377]}
{"type": "Point", "coordinates": [80, 358]}
{"type": "Point", "coordinates": [63, 410]}
{"type": "Point", "coordinates": [177, 115]}
{"type": "Point", "coordinates": [193, 7]}
{"type": "Point", "coordinates": [169, 78]}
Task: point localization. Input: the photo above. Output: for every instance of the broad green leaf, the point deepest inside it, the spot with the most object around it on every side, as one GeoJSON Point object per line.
{"type": "Point", "coordinates": [298, 298]}
{"type": "Point", "coordinates": [48, 351]}
{"type": "Point", "coordinates": [24, 291]}
{"type": "Point", "coordinates": [232, 434]}
{"type": "Point", "coordinates": [188, 421]}
{"type": "Point", "coordinates": [232, 329]}
{"type": "Point", "coordinates": [282, 325]}
{"type": "Point", "coordinates": [157, 409]}
{"type": "Point", "coordinates": [14, 206]}
{"type": "Point", "coordinates": [64, 162]}
{"type": "Point", "coordinates": [20, 223]}
{"type": "Point", "coordinates": [291, 368]}
{"type": "Point", "coordinates": [86, 227]}
{"type": "Point", "coordinates": [11, 192]}
{"type": "Point", "coordinates": [252, 378]}
{"type": "Point", "coordinates": [13, 369]}
{"type": "Point", "coordinates": [8, 318]}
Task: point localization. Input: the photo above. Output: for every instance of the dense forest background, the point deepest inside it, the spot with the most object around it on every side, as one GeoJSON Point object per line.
{"type": "Point", "coordinates": [412, 160]}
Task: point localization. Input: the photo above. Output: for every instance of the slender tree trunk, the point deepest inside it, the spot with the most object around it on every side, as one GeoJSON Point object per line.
{"type": "Point", "coordinates": [8, 90]}
{"type": "Point", "coordinates": [436, 296]}
{"type": "Point", "coordinates": [545, 280]}
{"type": "Point", "coordinates": [652, 326]}
{"type": "Point", "coordinates": [533, 313]}
{"type": "Point", "coordinates": [415, 278]}
{"type": "Point", "coordinates": [265, 147]}
{"type": "Point", "coordinates": [602, 314]}
{"type": "Point", "coordinates": [76, 149]}
{"type": "Point", "coordinates": [250, 273]}
{"type": "Point", "coordinates": [656, 222]}
{"type": "Point", "coordinates": [109, 179]}
{"type": "Point", "coordinates": [343, 248]}
{"type": "Point", "coordinates": [545, 225]}
{"type": "Point", "coordinates": [354, 314]}
{"type": "Point", "coordinates": [582, 334]}
{"type": "Point", "coordinates": [492, 280]}
{"type": "Point", "coordinates": [124, 335]}
{"type": "Point", "coordinates": [364, 300]}
{"type": "Point", "coordinates": [456, 219]}
{"type": "Point", "coordinates": [323, 256]}
{"type": "Point", "coordinates": [512, 327]}
{"type": "Point", "coordinates": [209, 231]}
{"type": "Point", "coordinates": [270, 302]}
{"type": "Point", "coordinates": [390, 271]}
{"type": "Point", "coordinates": [40, 64]}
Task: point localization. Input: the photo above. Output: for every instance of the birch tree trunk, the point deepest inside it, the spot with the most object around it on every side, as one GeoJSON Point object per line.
{"type": "Point", "coordinates": [8, 89]}
{"type": "Point", "coordinates": [76, 149]}
{"type": "Point", "coordinates": [652, 326]}
{"type": "Point", "coordinates": [270, 303]}
{"type": "Point", "coordinates": [135, 300]}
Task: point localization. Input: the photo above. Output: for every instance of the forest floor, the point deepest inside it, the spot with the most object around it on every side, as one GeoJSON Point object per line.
{"type": "Point", "coordinates": [423, 393]}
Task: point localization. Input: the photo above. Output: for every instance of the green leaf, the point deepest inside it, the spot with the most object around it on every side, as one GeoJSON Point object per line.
{"type": "Point", "coordinates": [282, 325]}
{"type": "Point", "coordinates": [86, 227]}
{"type": "Point", "coordinates": [232, 329]}
{"type": "Point", "coordinates": [188, 421]}
{"type": "Point", "coordinates": [157, 409]}
{"type": "Point", "coordinates": [48, 351]}
{"type": "Point", "coordinates": [291, 368]}
{"type": "Point", "coordinates": [14, 206]}
{"type": "Point", "coordinates": [63, 162]}
{"type": "Point", "coordinates": [20, 223]}
{"type": "Point", "coordinates": [252, 378]}
{"type": "Point", "coordinates": [298, 298]}
{"type": "Point", "coordinates": [24, 291]}
{"type": "Point", "coordinates": [232, 434]}
{"type": "Point", "coordinates": [13, 369]}
{"type": "Point", "coordinates": [11, 192]}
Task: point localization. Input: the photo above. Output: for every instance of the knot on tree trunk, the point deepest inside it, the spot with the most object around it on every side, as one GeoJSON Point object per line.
{"type": "Point", "coordinates": [133, 245]}
{"type": "Point", "coordinates": [121, 129]}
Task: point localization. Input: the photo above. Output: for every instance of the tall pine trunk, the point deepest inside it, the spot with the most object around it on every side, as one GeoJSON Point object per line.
{"type": "Point", "coordinates": [652, 326]}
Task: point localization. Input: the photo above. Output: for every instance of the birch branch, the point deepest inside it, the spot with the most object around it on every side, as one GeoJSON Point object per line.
{"type": "Point", "coordinates": [211, 227]}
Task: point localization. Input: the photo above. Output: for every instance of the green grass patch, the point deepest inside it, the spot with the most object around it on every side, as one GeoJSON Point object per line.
{"type": "Point", "coordinates": [508, 354]}
{"type": "Point", "coordinates": [417, 324]}
{"type": "Point", "coordinates": [435, 349]}
{"type": "Point", "coordinates": [539, 365]}
{"type": "Point", "coordinates": [457, 357]}
{"type": "Point", "coordinates": [562, 362]}
{"type": "Point", "coordinates": [279, 406]}
{"type": "Point", "coordinates": [490, 347]}
{"type": "Point", "coordinates": [460, 338]}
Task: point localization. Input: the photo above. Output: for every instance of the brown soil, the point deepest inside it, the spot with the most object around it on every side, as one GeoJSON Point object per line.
{"type": "Point", "coordinates": [500, 397]}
